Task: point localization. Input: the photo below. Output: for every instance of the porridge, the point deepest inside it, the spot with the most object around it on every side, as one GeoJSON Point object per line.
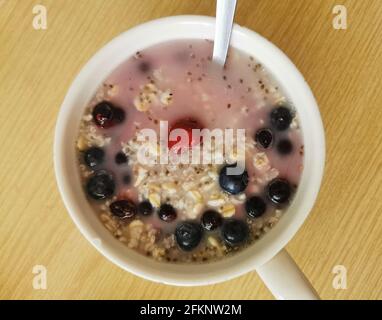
{"type": "Point", "coordinates": [179, 211]}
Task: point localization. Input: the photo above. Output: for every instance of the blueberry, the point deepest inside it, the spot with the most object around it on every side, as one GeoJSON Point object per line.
{"type": "Point", "coordinates": [234, 232]}
{"type": "Point", "coordinates": [255, 207]}
{"type": "Point", "coordinates": [94, 157]}
{"type": "Point", "coordinates": [167, 212]}
{"type": "Point", "coordinates": [121, 158]}
{"type": "Point", "coordinates": [211, 220]}
{"type": "Point", "coordinates": [284, 147]}
{"type": "Point", "coordinates": [231, 183]}
{"type": "Point", "coordinates": [105, 115]}
{"type": "Point", "coordinates": [188, 235]}
{"type": "Point", "coordinates": [119, 115]}
{"type": "Point", "coordinates": [145, 208]}
{"type": "Point", "coordinates": [126, 179]}
{"type": "Point", "coordinates": [100, 185]}
{"type": "Point", "coordinates": [264, 138]}
{"type": "Point", "coordinates": [281, 118]}
{"type": "Point", "coordinates": [123, 209]}
{"type": "Point", "coordinates": [279, 191]}
{"type": "Point", "coordinates": [144, 67]}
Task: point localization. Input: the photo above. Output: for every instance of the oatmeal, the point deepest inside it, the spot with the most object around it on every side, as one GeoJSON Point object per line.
{"type": "Point", "coordinates": [231, 145]}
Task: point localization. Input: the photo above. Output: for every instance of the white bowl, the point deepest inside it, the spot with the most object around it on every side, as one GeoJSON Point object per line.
{"type": "Point", "coordinates": [86, 84]}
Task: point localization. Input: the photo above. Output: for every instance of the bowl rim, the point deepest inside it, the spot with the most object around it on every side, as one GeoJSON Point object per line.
{"type": "Point", "coordinates": [273, 241]}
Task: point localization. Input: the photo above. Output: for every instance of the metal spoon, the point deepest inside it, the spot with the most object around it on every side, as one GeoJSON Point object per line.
{"type": "Point", "coordinates": [225, 11]}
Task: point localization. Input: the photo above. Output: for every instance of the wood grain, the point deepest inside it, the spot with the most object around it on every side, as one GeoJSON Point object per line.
{"type": "Point", "coordinates": [343, 67]}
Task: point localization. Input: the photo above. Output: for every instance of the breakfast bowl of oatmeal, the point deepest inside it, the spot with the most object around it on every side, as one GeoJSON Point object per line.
{"type": "Point", "coordinates": [182, 171]}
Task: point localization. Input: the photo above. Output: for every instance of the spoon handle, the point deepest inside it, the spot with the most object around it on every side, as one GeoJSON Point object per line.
{"type": "Point", "coordinates": [225, 11]}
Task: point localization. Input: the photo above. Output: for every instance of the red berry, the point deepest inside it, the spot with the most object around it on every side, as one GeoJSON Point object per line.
{"type": "Point", "coordinates": [187, 124]}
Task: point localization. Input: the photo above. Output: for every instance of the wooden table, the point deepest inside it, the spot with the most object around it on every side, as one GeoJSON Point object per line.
{"type": "Point", "coordinates": [343, 67]}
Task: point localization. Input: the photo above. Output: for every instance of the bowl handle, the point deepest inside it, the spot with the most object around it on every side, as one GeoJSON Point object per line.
{"type": "Point", "coordinates": [285, 280]}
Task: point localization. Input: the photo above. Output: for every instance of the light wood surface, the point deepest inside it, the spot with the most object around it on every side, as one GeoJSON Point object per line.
{"type": "Point", "coordinates": [343, 67]}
